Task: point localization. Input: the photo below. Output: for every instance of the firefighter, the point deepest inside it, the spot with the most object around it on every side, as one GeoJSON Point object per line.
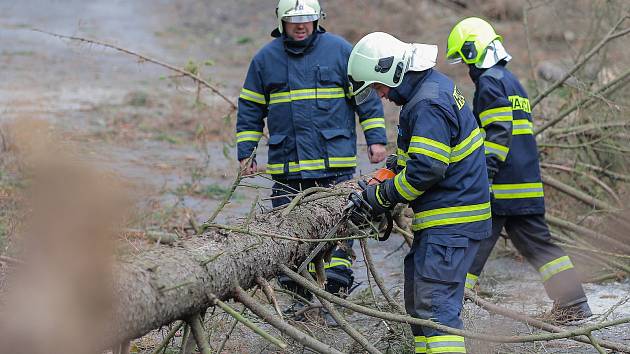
{"type": "Point", "coordinates": [298, 82]}
{"type": "Point", "coordinates": [502, 109]}
{"type": "Point", "coordinates": [441, 173]}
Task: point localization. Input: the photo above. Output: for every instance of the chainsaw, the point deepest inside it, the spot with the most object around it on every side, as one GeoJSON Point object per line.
{"type": "Point", "coordinates": [356, 204]}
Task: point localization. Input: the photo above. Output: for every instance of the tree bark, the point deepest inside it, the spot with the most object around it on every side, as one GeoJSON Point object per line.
{"type": "Point", "coordinates": [172, 282]}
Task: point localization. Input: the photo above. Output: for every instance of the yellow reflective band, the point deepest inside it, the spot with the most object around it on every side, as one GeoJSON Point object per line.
{"type": "Point", "coordinates": [500, 114]}
{"type": "Point", "coordinates": [520, 104]}
{"type": "Point", "coordinates": [338, 162]}
{"type": "Point", "coordinates": [421, 344]}
{"type": "Point", "coordinates": [451, 216]}
{"type": "Point", "coordinates": [554, 267]}
{"type": "Point", "coordinates": [307, 165]}
{"type": "Point", "coordinates": [248, 135]}
{"type": "Point", "coordinates": [313, 165]}
{"type": "Point", "coordinates": [467, 146]}
{"type": "Point", "coordinates": [404, 188]}
{"type": "Point", "coordinates": [495, 111]}
{"type": "Point", "coordinates": [431, 148]}
{"type": "Point", "coordinates": [402, 157]}
{"type": "Point", "coordinates": [518, 190]}
{"type": "Point", "coordinates": [334, 262]}
{"type": "Point", "coordinates": [522, 127]}
{"type": "Point", "coordinates": [495, 149]}
{"type": "Point", "coordinates": [275, 169]}
{"type": "Point", "coordinates": [373, 123]}
{"type": "Point", "coordinates": [306, 94]}
{"type": "Point", "coordinates": [471, 280]}
{"type": "Point", "coordinates": [252, 96]}
{"type": "Point", "coordinates": [420, 139]}
{"type": "Point", "coordinates": [446, 344]}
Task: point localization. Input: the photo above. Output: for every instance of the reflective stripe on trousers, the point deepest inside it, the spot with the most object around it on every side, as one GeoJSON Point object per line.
{"type": "Point", "coordinates": [440, 344]}
{"type": "Point", "coordinates": [554, 267]}
{"type": "Point", "coordinates": [334, 262]}
{"type": "Point", "coordinates": [471, 280]}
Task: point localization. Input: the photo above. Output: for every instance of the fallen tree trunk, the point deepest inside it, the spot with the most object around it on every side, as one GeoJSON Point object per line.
{"type": "Point", "coordinates": [168, 283]}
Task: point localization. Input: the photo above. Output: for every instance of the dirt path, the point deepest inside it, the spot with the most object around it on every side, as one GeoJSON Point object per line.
{"type": "Point", "coordinates": [121, 114]}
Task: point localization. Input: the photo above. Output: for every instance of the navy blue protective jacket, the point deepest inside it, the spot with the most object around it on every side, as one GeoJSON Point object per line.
{"type": "Point", "coordinates": [310, 114]}
{"type": "Point", "coordinates": [441, 164]}
{"type": "Point", "coordinates": [502, 108]}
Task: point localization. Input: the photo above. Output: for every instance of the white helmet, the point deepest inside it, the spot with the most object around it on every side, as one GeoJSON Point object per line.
{"type": "Point", "coordinates": [382, 58]}
{"type": "Point", "coordinates": [297, 11]}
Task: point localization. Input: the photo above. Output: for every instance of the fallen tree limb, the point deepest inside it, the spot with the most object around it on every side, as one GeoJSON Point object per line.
{"type": "Point", "coordinates": [492, 308]}
{"type": "Point", "coordinates": [427, 323]}
{"type": "Point", "coordinates": [287, 329]}
{"type": "Point", "coordinates": [142, 57]}
{"type": "Point", "coordinates": [577, 194]}
{"type": "Point", "coordinates": [596, 236]}
{"type": "Point", "coordinates": [608, 88]}
{"type": "Point", "coordinates": [612, 34]}
{"type": "Point", "coordinates": [341, 321]}
{"type": "Point", "coordinates": [165, 284]}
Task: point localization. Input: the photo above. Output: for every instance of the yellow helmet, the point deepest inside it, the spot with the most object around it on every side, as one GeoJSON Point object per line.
{"type": "Point", "coordinates": [298, 11]}
{"type": "Point", "coordinates": [469, 39]}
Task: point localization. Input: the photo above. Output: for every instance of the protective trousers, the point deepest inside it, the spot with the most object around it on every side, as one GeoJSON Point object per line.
{"type": "Point", "coordinates": [530, 235]}
{"type": "Point", "coordinates": [435, 273]}
{"type": "Point", "coordinates": [338, 271]}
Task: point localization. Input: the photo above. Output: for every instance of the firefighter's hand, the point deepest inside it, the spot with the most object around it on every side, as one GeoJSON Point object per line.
{"type": "Point", "coordinates": [248, 170]}
{"type": "Point", "coordinates": [376, 197]}
{"type": "Point", "coordinates": [377, 153]}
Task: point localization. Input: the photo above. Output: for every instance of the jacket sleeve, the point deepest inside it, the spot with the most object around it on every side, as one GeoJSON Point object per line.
{"type": "Point", "coordinates": [495, 115]}
{"type": "Point", "coordinates": [372, 120]}
{"type": "Point", "coordinates": [252, 109]}
{"type": "Point", "coordinates": [429, 155]}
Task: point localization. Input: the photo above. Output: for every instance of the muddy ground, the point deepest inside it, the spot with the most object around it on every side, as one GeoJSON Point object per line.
{"type": "Point", "coordinates": [139, 121]}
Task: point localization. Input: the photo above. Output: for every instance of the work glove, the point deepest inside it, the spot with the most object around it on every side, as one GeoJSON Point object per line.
{"type": "Point", "coordinates": [391, 162]}
{"type": "Point", "coordinates": [376, 196]}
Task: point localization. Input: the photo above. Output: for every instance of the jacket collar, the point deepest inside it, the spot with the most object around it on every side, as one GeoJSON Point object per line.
{"type": "Point", "coordinates": [410, 84]}
{"type": "Point", "coordinates": [294, 47]}
{"type": "Point", "coordinates": [475, 73]}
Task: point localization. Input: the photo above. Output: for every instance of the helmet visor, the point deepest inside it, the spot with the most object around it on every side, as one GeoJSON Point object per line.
{"type": "Point", "coordinates": [455, 58]}
{"type": "Point", "coordinates": [300, 18]}
{"type": "Point", "coordinates": [360, 90]}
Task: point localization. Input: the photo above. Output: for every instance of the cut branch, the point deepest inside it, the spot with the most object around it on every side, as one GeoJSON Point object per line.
{"type": "Point", "coordinates": [612, 34]}
{"type": "Point", "coordinates": [287, 329]}
{"type": "Point", "coordinates": [142, 57]}
{"type": "Point", "coordinates": [427, 323]}
{"type": "Point", "coordinates": [492, 308]}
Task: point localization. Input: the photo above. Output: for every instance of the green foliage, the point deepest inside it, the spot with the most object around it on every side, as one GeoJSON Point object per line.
{"type": "Point", "coordinates": [168, 138]}
{"type": "Point", "coordinates": [214, 191]}
{"type": "Point", "coordinates": [243, 40]}
{"type": "Point", "coordinates": [192, 67]}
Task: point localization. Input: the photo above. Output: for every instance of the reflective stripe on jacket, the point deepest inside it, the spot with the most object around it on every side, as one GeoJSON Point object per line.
{"type": "Point", "coordinates": [502, 108]}
{"type": "Point", "coordinates": [310, 114]}
{"type": "Point", "coordinates": [442, 171]}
